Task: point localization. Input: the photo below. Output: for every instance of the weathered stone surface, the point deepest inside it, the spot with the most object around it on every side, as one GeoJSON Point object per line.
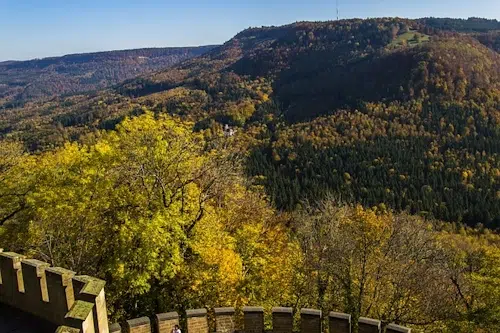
{"type": "Point", "coordinates": [224, 320]}
{"type": "Point", "coordinates": [36, 296]}
{"type": "Point", "coordinates": [115, 328]}
{"type": "Point", "coordinates": [66, 329]}
{"type": "Point", "coordinates": [91, 290]}
{"type": "Point", "coordinates": [368, 325]}
{"type": "Point", "coordinates": [282, 320]}
{"type": "Point", "coordinates": [310, 320]}
{"type": "Point", "coordinates": [80, 310]}
{"type": "Point", "coordinates": [138, 325]}
{"type": "Point", "coordinates": [253, 319]}
{"type": "Point", "coordinates": [60, 290]}
{"type": "Point", "coordinates": [339, 322]}
{"type": "Point", "coordinates": [393, 328]}
{"type": "Point", "coordinates": [165, 322]}
{"type": "Point", "coordinates": [12, 284]}
{"type": "Point", "coordinates": [80, 316]}
{"type": "Point", "coordinates": [197, 321]}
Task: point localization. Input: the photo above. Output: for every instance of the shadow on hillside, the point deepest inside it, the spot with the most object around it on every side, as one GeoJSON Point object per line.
{"type": "Point", "coordinates": [393, 171]}
{"type": "Point", "coordinates": [317, 82]}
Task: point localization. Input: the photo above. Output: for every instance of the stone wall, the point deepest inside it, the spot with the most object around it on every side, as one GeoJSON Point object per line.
{"type": "Point", "coordinates": [282, 320]}
{"type": "Point", "coordinates": [311, 321]}
{"type": "Point", "coordinates": [53, 293]}
{"type": "Point", "coordinates": [197, 321]}
{"type": "Point", "coordinates": [77, 304]}
{"type": "Point", "coordinates": [225, 320]}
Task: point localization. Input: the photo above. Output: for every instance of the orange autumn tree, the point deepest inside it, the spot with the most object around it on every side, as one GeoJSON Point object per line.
{"type": "Point", "coordinates": [371, 263]}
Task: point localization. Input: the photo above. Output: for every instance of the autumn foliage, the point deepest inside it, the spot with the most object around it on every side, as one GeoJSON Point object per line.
{"type": "Point", "coordinates": [163, 214]}
{"type": "Point", "coordinates": [346, 165]}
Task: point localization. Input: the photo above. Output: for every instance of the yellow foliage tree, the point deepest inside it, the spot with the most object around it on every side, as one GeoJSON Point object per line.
{"type": "Point", "coordinates": [152, 210]}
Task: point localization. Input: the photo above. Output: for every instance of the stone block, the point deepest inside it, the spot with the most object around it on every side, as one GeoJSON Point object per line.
{"type": "Point", "coordinates": [115, 328]}
{"type": "Point", "coordinates": [165, 322]}
{"type": "Point", "coordinates": [253, 319]}
{"type": "Point", "coordinates": [138, 325]}
{"type": "Point", "coordinates": [393, 328]}
{"type": "Point", "coordinates": [80, 316]}
{"type": "Point", "coordinates": [310, 320]}
{"type": "Point", "coordinates": [66, 329]}
{"type": "Point", "coordinates": [90, 289]}
{"type": "Point", "coordinates": [35, 285]}
{"type": "Point", "coordinates": [282, 320]}
{"type": "Point", "coordinates": [12, 287]}
{"type": "Point", "coordinates": [197, 321]}
{"type": "Point", "coordinates": [368, 325]}
{"type": "Point", "coordinates": [224, 320]}
{"type": "Point", "coordinates": [60, 291]}
{"type": "Point", "coordinates": [339, 322]}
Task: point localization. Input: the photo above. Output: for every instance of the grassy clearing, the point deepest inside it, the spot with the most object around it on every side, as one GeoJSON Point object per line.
{"type": "Point", "coordinates": [410, 38]}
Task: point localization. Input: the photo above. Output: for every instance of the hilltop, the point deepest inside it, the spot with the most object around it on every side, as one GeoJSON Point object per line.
{"type": "Point", "coordinates": [472, 24]}
{"type": "Point", "coordinates": [76, 73]}
{"type": "Point", "coordinates": [390, 112]}
{"type": "Point", "coordinates": [315, 68]}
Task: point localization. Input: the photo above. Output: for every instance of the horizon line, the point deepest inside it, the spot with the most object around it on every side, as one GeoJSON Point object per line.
{"type": "Point", "coordinates": [221, 43]}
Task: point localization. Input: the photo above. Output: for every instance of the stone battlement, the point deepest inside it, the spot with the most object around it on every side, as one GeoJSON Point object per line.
{"type": "Point", "coordinates": [311, 321]}
{"type": "Point", "coordinates": [76, 303]}
{"type": "Point", "coordinates": [57, 295]}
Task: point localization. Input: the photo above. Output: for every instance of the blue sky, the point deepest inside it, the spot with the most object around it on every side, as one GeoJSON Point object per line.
{"type": "Point", "coordinates": [40, 28]}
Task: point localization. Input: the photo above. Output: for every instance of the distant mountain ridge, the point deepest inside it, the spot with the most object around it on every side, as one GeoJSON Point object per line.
{"type": "Point", "coordinates": [314, 68]}
{"type": "Point", "coordinates": [472, 24]}
{"type": "Point", "coordinates": [75, 73]}
{"type": "Point", "coordinates": [150, 52]}
{"type": "Point", "coordinates": [309, 68]}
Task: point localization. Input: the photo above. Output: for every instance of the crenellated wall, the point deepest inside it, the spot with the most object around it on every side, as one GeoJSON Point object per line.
{"type": "Point", "coordinates": [76, 303]}
{"type": "Point", "coordinates": [311, 321]}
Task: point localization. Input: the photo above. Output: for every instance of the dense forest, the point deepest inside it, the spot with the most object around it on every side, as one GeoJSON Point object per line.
{"type": "Point", "coordinates": [472, 24]}
{"type": "Point", "coordinates": [490, 39]}
{"type": "Point", "coordinates": [346, 165]}
{"type": "Point", "coordinates": [25, 80]}
{"type": "Point", "coordinates": [164, 214]}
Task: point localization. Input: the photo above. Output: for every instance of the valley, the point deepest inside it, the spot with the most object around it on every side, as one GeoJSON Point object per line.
{"type": "Point", "coordinates": [349, 166]}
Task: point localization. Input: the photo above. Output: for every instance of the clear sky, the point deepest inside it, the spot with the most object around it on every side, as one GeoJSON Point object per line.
{"type": "Point", "coordinates": [40, 28]}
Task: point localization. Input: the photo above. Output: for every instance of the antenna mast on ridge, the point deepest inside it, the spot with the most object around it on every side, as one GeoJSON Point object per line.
{"type": "Point", "coordinates": [337, 10]}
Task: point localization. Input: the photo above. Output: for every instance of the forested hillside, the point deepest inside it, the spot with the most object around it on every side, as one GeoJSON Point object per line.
{"type": "Point", "coordinates": [347, 165]}
{"type": "Point", "coordinates": [389, 112]}
{"type": "Point", "coordinates": [490, 39]}
{"type": "Point", "coordinates": [166, 217]}
{"type": "Point", "coordinates": [472, 24]}
{"type": "Point", "coordinates": [25, 80]}
{"type": "Point", "coordinates": [484, 30]}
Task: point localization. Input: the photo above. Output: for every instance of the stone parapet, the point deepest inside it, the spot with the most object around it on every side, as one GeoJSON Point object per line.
{"type": "Point", "coordinates": [368, 325]}
{"type": "Point", "coordinates": [282, 320]}
{"type": "Point", "coordinates": [55, 294]}
{"type": "Point", "coordinates": [253, 319]}
{"type": "Point", "coordinates": [77, 304]}
{"type": "Point", "coordinates": [138, 325]}
{"type": "Point", "coordinates": [197, 321]}
{"type": "Point", "coordinates": [225, 320]}
{"type": "Point", "coordinates": [165, 322]}
{"type": "Point", "coordinates": [311, 321]}
{"type": "Point", "coordinates": [339, 322]}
